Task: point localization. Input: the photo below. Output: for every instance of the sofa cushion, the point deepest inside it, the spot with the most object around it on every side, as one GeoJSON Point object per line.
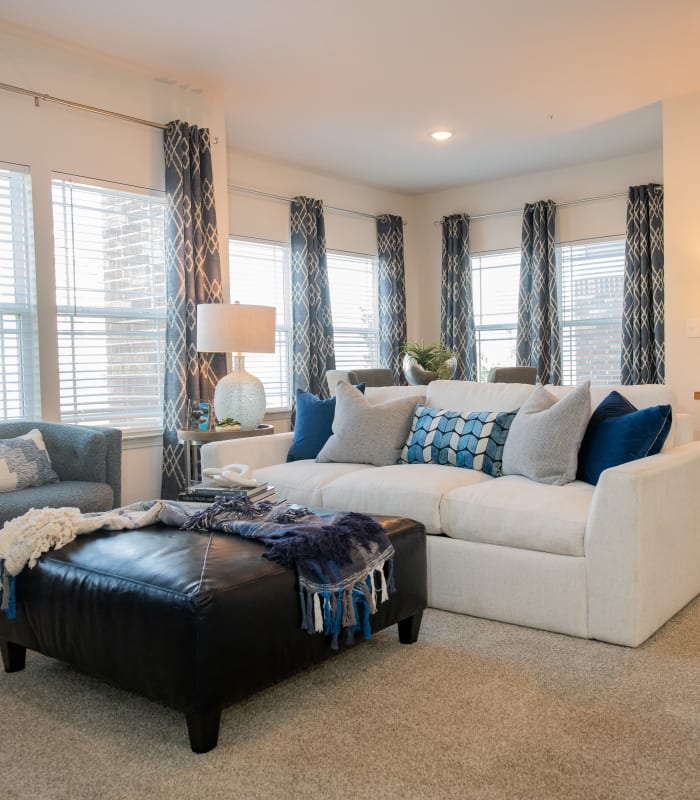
{"type": "Point", "coordinates": [546, 434]}
{"type": "Point", "coordinates": [303, 481]}
{"type": "Point", "coordinates": [474, 396]}
{"type": "Point", "coordinates": [617, 433]}
{"type": "Point", "coordinates": [472, 440]}
{"type": "Point", "coordinates": [25, 462]}
{"type": "Point", "coordinates": [516, 512]}
{"type": "Point", "coordinates": [364, 433]}
{"type": "Point", "coordinates": [314, 424]}
{"type": "Point", "coordinates": [408, 490]}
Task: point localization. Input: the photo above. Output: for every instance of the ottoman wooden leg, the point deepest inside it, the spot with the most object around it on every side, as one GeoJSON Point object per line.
{"type": "Point", "coordinates": [203, 728]}
{"type": "Point", "coordinates": [409, 628]}
{"type": "Point", "coordinates": [13, 656]}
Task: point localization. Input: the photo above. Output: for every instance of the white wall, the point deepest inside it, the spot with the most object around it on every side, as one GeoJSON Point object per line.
{"type": "Point", "coordinates": [54, 138]}
{"type": "Point", "coordinates": [581, 221]}
{"type": "Point", "coordinates": [682, 248]}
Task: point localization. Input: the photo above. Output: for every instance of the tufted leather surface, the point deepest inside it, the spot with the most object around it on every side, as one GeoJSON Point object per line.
{"type": "Point", "coordinates": [193, 620]}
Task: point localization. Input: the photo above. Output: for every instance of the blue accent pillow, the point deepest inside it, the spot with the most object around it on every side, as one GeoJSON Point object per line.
{"type": "Point", "coordinates": [618, 432]}
{"type": "Point", "coordinates": [314, 424]}
{"type": "Point", "coordinates": [473, 441]}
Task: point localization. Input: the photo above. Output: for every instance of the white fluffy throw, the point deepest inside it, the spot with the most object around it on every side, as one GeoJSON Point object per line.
{"type": "Point", "coordinates": [25, 538]}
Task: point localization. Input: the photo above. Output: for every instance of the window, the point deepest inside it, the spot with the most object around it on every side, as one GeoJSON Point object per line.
{"type": "Point", "coordinates": [591, 288]}
{"type": "Point", "coordinates": [19, 392]}
{"type": "Point", "coordinates": [260, 276]}
{"type": "Point", "coordinates": [590, 283]}
{"type": "Point", "coordinates": [110, 297]}
{"type": "Point", "coordinates": [495, 281]}
{"type": "Point", "coordinates": [355, 308]}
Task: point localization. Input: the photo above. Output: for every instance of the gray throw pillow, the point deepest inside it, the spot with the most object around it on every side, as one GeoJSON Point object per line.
{"type": "Point", "coordinates": [25, 462]}
{"type": "Point", "coordinates": [364, 433]}
{"type": "Point", "coordinates": [545, 436]}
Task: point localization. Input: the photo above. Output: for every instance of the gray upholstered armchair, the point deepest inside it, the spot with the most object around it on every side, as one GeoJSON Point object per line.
{"type": "Point", "coordinates": [86, 460]}
{"type": "Point", "coordinates": [370, 377]}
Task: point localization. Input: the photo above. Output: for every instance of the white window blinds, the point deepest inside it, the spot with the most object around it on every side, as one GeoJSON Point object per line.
{"type": "Point", "coordinates": [495, 279]}
{"type": "Point", "coordinates": [260, 276]}
{"type": "Point", "coordinates": [591, 287]}
{"type": "Point", "coordinates": [110, 297]}
{"type": "Point", "coordinates": [355, 308]}
{"type": "Point", "coordinates": [19, 392]}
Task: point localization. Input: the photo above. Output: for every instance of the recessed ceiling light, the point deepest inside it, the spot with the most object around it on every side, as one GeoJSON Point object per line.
{"type": "Point", "coordinates": [441, 136]}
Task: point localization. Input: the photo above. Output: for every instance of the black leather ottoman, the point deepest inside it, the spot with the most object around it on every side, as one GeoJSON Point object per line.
{"type": "Point", "coordinates": [193, 620]}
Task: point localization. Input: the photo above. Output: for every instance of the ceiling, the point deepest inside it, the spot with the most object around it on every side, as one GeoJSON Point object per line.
{"type": "Point", "coordinates": [354, 87]}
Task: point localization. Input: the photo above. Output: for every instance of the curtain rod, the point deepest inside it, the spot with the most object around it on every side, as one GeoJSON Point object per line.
{"type": "Point", "coordinates": [39, 96]}
{"type": "Point", "coordinates": [558, 205]}
{"type": "Point", "coordinates": [282, 198]}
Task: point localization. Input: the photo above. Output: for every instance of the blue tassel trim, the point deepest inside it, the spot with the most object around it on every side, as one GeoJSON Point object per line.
{"type": "Point", "coordinates": [345, 609]}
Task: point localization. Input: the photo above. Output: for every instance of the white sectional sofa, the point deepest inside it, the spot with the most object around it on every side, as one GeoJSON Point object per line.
{"type": "Point", "coordinates": [611, 562]}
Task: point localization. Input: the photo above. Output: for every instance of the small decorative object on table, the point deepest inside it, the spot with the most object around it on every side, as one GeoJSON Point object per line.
{"type": "Point", "coordinates": [227, 424]}
{"type": "Point", "coordinates": [423, 363]}
{"type": "Point", "coordinates": [198, 416]}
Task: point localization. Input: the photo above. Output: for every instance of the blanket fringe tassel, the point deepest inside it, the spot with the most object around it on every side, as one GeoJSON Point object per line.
{"type": "Point", "coordinates": [347, 609]}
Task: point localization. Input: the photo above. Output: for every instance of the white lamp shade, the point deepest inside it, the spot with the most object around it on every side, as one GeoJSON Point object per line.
{"type": "Point", "coordinates": [235, 328]}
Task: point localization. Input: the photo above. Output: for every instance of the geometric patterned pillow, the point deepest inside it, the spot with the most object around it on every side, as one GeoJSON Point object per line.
{"type": "Point", "coordinates": [473, 441]}
{"type": "Point", "coordinates": [24, 462]}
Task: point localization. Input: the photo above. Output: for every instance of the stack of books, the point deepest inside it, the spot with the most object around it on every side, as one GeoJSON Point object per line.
{"type": "Point", "coordinates": [206, 493]}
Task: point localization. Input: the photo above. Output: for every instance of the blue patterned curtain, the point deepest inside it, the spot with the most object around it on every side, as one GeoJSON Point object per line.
{"type": "Point", "coordinates": [313, 350]}
{"type": "Point", "coordinates": [643, 357]}
{"type": "Point", "coordinates": [392, 294]}
{"type": "Point", "coordinates": [457, 303]}
{"type": "Point", "coordinates": [193, 275]}
{"type": "Point", "coordinates": [538, 314]}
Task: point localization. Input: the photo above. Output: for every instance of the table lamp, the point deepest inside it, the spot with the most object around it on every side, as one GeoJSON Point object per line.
{"type": "Point", "coordinates": [235, 328]}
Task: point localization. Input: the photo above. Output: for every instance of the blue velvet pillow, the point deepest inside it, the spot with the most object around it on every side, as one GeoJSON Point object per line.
{"type": "Point", "coordinates": [471, 440]}
{"type": "Point", "coordinates": [617, 433]}
{"type": "Point", "coordinates": [314, 424]}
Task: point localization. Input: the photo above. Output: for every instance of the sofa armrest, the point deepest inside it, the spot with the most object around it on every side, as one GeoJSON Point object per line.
{"type": "Point", "coordinates": [642, 545]}
{"type": "Point", "coordinates": [255, 451]}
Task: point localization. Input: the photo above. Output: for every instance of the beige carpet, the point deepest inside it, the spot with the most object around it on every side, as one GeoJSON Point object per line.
{"type": "Point", "coordinates": [476, 709]}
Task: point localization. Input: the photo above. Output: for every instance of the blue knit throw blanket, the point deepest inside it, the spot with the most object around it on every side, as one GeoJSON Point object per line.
{"type": "Point", "coordinates": [344, 562]}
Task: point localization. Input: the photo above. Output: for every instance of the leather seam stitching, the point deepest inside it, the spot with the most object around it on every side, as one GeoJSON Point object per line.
{"type": "Point", "coordinates": [204, 563]}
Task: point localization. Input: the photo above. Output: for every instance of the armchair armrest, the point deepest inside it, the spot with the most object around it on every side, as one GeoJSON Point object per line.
{"type": "Point", "coordinates": [642, 545]}
{"type": "Point", "coordinates": [255, 451]}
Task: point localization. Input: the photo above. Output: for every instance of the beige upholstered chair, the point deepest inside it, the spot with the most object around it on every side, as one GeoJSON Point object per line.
{"type": "Point", "coordinates": [512, 375]}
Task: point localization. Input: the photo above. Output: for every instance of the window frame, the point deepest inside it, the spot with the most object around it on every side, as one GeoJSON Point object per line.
{"type": "Point", "coordinates": [505, 327]}
{"type": "Point", "coordinates": [21, 227]}
{"type": "Point", "coordinates": [283, 322]}
{"type": "Point", "coordinates": [71, 313]}
{"type": "Point", "coordinates": [372, 331]}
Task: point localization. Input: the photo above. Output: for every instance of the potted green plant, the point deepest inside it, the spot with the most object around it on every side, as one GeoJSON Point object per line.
{"type": "Point", "coordinates": [423, 363]}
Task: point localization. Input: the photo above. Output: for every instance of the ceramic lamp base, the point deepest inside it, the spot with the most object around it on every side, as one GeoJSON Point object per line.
{"type": "Point", "coordinates": [240, 395]}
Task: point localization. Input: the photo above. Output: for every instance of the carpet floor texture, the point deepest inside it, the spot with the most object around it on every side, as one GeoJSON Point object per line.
{"type": "Point", "coordinates": [475, 709]}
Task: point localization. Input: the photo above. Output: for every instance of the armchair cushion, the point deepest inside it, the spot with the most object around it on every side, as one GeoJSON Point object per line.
{"type": "Point", "coordinates": [25, 462]}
